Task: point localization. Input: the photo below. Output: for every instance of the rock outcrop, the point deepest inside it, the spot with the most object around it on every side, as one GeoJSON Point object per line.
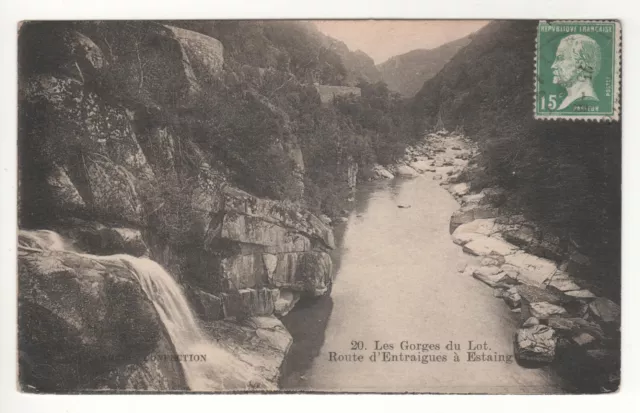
{"type": "Point", "coordinates": [111, 160]}
{"type": "Point", "coordinates": [86, 324]}
{"type": "Point", "coordinates": [534, 273]}
{"type": "Point", "coordinates": [536, 343]}
{"type": "Point", "coordinates": [260, 342]}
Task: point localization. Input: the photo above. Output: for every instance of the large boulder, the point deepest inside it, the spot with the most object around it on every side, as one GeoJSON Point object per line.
{"type": "Point", "coordinates": [570, 326]}
{"type": "Point", "coordinates": [259, 302]}
{"type": "Point", "coordinates": [252, 230]}
{"type": "Point", "coordinates": [92, 142]}
{"type": "Point", "coordinates": [489, 246]}
{"type": "Point", "coordinates": [463, 237]}
{"type": "Point", "coordinates": [82, 319]}
{"type": "Point", "coordinates": [536, 344]}
{"type": "Point", "coordinates": [64, 195]}
{"type": "Point", "coordinates": [532, 294]}
{"type": "Point", "coordinates": [563, 282]}
{"type": "Point", "coordinates": [285, 302]}
{"type": "Point", "coordinates": [96, 238]}
{"type": "Point", "coordinates": [259, 243]}
{"type": "Point", "coordinates": [153, 373]}
{"type": "Point", "coordinates": [204, 53]}
{"type": "Point", "coordinates": [469, 213]}
{"type": "Point", "coordinates": [309, 273]}
{"type": "Point", "coordinates": [523, 236]}
{"type": "Point", "coordinates": [469, 231]}
{"type": "Point", "coordinates": [207, 306]}
{"type": "Point", "coordinates": [459, 217]}
{"type": "Point", "coordinates": [512, 297]}
{"type": "Point", "coordinates": [532, 270]}
{"type": "Point", "coordinates": [142, 57]}
{"type": "Point", "coordinates": [460, 189]}
{"type": "Point", "coordinates": [542, 303]}
{"type": "Point", "coordinates": [261, 343]}
{"type": "Point", "coordinates": [534, 241]}
{"type": "Point", "coordinates": [543, 310]}
{"type": "Point", "coordinates": [406, 171]}
{"type": "Point", "coordinates": [472, 198]}
{"type": "Point", "coordinates": [284, 215]}
{"type": "Point", "coordinates": [605, 311]}
{"type": "Point", "coordinates": [490, 275]}
{"type": "Point", "coordinates": [581, 294]}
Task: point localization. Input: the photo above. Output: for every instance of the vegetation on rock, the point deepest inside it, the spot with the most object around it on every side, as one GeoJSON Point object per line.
{"type": "Point", "coordinates": [565, 176]}
{"type": "Point", "coordinates": [406, 73]}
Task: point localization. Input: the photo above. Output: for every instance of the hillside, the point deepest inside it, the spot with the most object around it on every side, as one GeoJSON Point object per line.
{"type": "Point", "coordinates": [564, 175]}
{"type": "Point", "coordinates": [360, 66]}
{"type": "Point", "coordinates": [202, 145]}
{"type": "Point", "coordinates": [407, 73]}
{"type": "Point", "coordinates": [295, 46]}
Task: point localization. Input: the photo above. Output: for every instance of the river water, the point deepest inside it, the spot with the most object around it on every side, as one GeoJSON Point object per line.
{"type": "Point", "coordinates": [397, 280]}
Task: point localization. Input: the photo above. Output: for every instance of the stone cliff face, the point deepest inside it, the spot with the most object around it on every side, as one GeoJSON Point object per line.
{"type": "Point", "coordinates": [105, 161]}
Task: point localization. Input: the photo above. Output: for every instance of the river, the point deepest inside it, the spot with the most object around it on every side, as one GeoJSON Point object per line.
{"type": "Point", "coordinates": [397, 280]}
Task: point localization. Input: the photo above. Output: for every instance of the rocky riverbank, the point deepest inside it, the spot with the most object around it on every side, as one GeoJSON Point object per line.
{"type": "Point", "coordinates": [427, 156]}
{"type": "Point", "coordinates": [564, 320]}
{"type": "Point", "coordinates": [568, 319]}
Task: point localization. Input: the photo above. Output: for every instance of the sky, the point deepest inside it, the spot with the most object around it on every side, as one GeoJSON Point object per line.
{"type": "Point", "coordinates": [382, 39]}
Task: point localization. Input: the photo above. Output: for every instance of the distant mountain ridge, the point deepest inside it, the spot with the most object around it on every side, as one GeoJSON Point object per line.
{"type": "Point", "coordinates": [358, 64]}
{"type": "Point", "coordinates": [406, 73]}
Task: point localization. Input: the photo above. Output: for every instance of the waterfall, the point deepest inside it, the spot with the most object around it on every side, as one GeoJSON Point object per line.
{"type": "Point", "coordinates": [222, 370]}
{"type": "Point", "coordinates": [45, 240]}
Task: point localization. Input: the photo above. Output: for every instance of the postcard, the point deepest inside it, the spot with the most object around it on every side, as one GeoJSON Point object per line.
{"type": "Point", "coordinates": [322, 206]}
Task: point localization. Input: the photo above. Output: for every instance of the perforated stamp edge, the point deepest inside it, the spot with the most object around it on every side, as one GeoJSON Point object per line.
{"type": "Point", "coordinates": [617, 81]}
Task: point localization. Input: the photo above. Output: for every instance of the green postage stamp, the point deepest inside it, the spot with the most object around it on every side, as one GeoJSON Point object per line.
{"type": "Point", "coordinates": [578, 70]}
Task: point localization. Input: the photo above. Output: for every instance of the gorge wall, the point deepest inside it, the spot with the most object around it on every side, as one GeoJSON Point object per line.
{"type": "Point", "coordinates": [125, 148]}
{"type": "Point", "coordinates": [565, 177]}
{"type": "Point", "coordinates": [406, 73]}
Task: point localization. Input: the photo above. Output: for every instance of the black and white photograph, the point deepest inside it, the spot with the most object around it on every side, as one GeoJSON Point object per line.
{"type": "Point", "coordinates": [319, 206]}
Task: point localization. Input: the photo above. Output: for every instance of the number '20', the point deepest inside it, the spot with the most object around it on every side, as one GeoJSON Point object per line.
{"type": "Point", "coordinates": [357, 345]}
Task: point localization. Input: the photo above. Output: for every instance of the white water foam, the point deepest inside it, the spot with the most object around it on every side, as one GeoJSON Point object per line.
{"type": "Point", "coordinates": [222, 370]}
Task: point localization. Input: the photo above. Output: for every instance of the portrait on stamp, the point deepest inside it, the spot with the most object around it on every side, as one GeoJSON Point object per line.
{"type": "Point", "coordinates": [576, 64]}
